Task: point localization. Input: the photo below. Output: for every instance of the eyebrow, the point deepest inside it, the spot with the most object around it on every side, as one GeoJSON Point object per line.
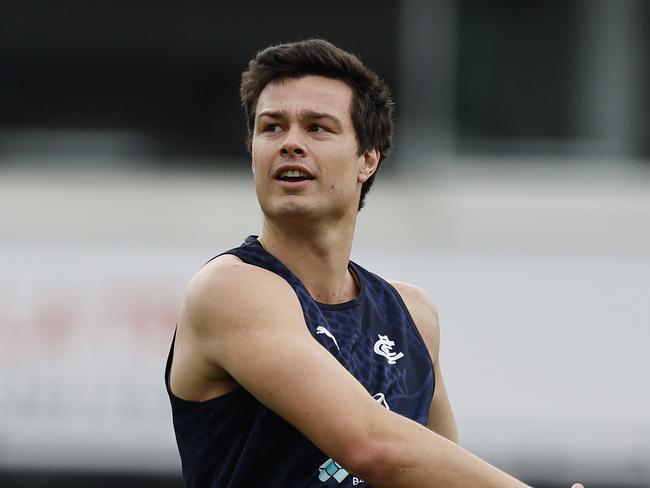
{"type": "Point", "coordinates": [307, 114]}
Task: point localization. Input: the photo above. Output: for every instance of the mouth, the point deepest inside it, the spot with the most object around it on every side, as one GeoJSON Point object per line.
{"type": "Point", "coordinates": [293, 175]}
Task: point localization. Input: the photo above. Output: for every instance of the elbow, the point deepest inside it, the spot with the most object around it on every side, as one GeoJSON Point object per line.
{"type": "Point", "coordinates": [367, 460]}
{"type": "Point", "coordinates": [378, 449]}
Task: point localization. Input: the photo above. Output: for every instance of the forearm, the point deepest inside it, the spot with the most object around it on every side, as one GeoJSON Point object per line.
{"type": "Point", "coordinates": [411, 456]}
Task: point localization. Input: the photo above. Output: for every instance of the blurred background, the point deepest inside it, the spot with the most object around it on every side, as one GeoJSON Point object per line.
{"type": "Point", "coordinates": [518, 196]}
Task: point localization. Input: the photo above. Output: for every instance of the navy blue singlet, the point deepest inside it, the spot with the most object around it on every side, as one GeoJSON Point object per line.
{"type": "Point", "coordinates": [234, 441]}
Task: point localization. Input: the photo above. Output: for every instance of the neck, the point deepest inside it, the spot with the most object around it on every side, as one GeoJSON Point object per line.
{"type": "Point", "coordinates": [318, 256]}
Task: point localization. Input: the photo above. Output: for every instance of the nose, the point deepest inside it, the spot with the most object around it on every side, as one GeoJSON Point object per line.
{"type": "Point", "coordinates": [291, 146]}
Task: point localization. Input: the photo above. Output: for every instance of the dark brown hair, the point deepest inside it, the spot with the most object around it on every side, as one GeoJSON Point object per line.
{"type": "Point", "coordinates": [372, 105]}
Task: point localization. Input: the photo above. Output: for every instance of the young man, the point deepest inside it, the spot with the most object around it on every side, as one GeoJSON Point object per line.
{"type": "Point", "coordinates": [291, 365]}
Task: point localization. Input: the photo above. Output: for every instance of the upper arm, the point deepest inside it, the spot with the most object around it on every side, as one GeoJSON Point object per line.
{"type": "Point", "coordinates": [441, 418]}
{"type": "Point", "coordinates": [249, 323]}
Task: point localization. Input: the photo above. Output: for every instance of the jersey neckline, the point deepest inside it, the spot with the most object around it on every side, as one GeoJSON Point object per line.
{"type": "Point", "coordinates": [353, 267]}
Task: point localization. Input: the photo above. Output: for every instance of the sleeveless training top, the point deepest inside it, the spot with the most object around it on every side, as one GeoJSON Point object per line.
{"type": "Point", "coordinates": [234, 441]}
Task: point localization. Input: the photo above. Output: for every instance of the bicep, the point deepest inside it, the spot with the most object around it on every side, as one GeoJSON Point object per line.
{"type": "Point", "coordinates": [293, 375]}
{"type": "Point", "coordinates": [441, 417]}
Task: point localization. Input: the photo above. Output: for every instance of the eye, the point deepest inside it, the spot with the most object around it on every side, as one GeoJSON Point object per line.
{"type": "Point", "coordinates": [317, 128]}
{"type": "Point", "coordinates": [271, 128]}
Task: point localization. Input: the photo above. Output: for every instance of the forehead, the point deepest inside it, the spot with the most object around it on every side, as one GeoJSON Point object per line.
{"type": "Point", "coordinates": [318, 93]}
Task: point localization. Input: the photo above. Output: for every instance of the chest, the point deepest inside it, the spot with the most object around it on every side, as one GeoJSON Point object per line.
{"type": "Point", "coordinates": [381, 347]}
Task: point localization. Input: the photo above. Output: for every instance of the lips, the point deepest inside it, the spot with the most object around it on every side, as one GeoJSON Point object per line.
{"type": "Point", "coordinates": [292, 173]}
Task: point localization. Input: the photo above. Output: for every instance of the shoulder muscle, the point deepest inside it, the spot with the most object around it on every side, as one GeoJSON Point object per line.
{"type": "Point", "coordinates": [229, 299]}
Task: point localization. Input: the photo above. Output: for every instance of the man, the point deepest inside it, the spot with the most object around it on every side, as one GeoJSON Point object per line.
{"type": "Point", "coordinates": [291, 365]}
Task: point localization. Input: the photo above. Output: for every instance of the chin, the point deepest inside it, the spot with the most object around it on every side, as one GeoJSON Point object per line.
{"type": "Point", "coordinates": [299, 207]}
{"type": "Point", "coordinates": [298, 213]}
{"type": "Point", "coordinates": [289, 209]}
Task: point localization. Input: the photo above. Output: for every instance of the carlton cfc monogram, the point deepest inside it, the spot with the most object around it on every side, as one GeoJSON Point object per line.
{"type": "Point", "coordinates": [384, 347]}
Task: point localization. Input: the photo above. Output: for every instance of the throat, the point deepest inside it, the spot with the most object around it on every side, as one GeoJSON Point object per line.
{"type": "Point", "coordinates": [351, 290]}
{"type": "Point", "coordinates": [319, 256]}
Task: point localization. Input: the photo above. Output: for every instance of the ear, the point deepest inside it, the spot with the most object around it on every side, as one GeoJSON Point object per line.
{"type": "Point", "coordinates": [253, 165]}
{"type": "Point", "coordinates": [369, 161]}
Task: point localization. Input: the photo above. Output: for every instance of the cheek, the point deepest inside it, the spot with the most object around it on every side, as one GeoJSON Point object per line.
{"type": "Point", "coordinates": [255, 150]}
{"type": "Point", "coordinates": [261, 144]}
{"type": "Point", "coordinates": [259, 155]}
{"type": "Point", "coordinates": [342, 177]}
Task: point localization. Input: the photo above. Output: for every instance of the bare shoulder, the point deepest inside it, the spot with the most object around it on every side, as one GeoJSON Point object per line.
{"type": "Point", "coordinates": [226, 302]}
{"type": "Point", "coordinates": [226, 290]}
{"type": "Point", "coordinates": [423, 311]}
